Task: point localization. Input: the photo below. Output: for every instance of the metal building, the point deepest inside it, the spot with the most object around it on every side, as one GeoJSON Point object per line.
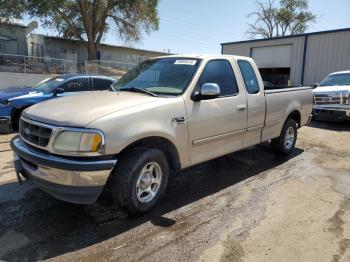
{"type": "Point", "coordinates": [58, 47]}
{"type": "Point", "coordinates": [13, 39]}
{"type": "Point", "coordinates": [302, 59]}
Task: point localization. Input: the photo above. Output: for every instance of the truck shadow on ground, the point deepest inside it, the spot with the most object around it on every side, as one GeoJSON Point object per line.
{"type": "Point", "coordinates": [45, 227]}
{"type": "Point", "coordinates": [331, 126]}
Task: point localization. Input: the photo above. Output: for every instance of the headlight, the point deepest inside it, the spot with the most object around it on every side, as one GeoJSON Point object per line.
{"type": "Point", "coordinates": [79, 142]}
{"type": "Point", "coordinates": [4, 102]}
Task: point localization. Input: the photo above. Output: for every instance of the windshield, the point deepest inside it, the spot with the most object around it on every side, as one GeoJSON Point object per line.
{"type": "Point", "coordinates": [48, 84]}
{"type": "Point", "coordinates": [163, 76]}
{"type": "Point", "coordinates": [336, 80]}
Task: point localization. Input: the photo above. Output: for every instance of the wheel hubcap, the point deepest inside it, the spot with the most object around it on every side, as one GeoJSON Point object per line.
{"type": "Point", "coordinates": [149, 182]}
{"type": "Point", "coordinates": [289, 138]}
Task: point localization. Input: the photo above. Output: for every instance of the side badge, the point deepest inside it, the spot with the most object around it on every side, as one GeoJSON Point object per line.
{"type": "Point", "coordinates": [179, 120]}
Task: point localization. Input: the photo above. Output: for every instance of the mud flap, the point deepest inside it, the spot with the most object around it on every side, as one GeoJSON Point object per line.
{"type": "Point", "coordinates": [18, 169]}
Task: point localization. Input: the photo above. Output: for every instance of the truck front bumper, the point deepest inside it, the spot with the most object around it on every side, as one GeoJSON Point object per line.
{"type": "Point", "coordinates": [73, 180]}
{"type": "Point", "coordinates": [331, 113]}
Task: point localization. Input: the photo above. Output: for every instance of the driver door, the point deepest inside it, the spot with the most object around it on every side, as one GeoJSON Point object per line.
{"type": "Point", "coordinates": [217, 126]}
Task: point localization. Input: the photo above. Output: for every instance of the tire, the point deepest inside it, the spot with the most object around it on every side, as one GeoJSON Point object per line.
{"type": "Point", "coordinates": [133, 175]}
{"type": "Point", "coordinates": [282, 145]}
{"type": "Point", "coordinates": [15, 118]}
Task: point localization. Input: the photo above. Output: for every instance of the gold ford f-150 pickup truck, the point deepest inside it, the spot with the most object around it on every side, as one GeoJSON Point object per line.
{"type": "Point", "coordinates": [166, 114]}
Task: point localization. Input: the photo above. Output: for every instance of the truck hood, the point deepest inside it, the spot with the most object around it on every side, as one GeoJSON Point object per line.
{"type": "Point", "coordinates": [79, 110]}
{"type": "Point", "coordinates": [327, 89]}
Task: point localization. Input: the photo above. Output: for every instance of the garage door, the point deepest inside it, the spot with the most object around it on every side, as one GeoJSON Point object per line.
{"type": "Point", "coordinates": [273, 56]}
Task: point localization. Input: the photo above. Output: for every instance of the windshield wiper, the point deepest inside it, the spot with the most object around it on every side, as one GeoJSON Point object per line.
{"type": "Point", "coordinates": [111, 88]}
{"type": "Point", "coordinates": [137, 89]}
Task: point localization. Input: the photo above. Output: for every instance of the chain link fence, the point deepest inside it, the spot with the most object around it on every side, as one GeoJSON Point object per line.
{"type": "Point", "coordinates": [36, 65]}
{"type": "Point", "coordinates": [107, 68]}
{"type": "Point", "coordinates": [18, 70]}
{"type": "Point", "coordinates": [11, 63]}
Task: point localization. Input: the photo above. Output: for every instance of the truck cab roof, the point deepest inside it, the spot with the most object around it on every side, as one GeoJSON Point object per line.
{"type": "Point", "coordinates": [206, 56]}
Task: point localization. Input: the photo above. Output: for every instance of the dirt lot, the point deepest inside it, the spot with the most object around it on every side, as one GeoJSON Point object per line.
{"type": "Point", "coordinates": [248, 206]}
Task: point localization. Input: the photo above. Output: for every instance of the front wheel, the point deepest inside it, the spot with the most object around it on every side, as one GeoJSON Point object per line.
{"type": "Point", "coordinates": [285, 143]}
{"type": "Point", "coordinates": [140, 180]}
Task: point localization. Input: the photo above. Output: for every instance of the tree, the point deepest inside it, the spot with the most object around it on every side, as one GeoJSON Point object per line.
{"type": "Point", "coordinates": [290, 17]}
{"type": "Point", "coordinates": [11, 10]}
{"type": "Point", "coordinates": [90, 20]}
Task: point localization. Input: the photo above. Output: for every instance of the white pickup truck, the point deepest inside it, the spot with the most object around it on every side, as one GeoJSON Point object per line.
{"type": "Point", "coordinates": [332, 97]}
{"type": "Point", "coordinates": [166, 114]}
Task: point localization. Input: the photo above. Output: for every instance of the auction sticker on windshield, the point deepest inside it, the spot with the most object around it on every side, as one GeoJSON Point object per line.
{"type": "Point", "coordinates": [185, 62]}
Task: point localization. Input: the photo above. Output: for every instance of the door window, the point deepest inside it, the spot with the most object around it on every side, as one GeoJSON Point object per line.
{"type": "Point", "coordinates": [101, 84]}
{"type": "Point", "coordinates": [77, 84]}
{"type": "Point", "coordinates": [220, 72]}
{"type": "Point", "coordinates": [249, 77]}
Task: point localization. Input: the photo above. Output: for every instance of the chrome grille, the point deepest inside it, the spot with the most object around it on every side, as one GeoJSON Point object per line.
{"type": "Point", "coordinates": [328, 99]}
{"type": "Point", "coordinates": [34, 133]}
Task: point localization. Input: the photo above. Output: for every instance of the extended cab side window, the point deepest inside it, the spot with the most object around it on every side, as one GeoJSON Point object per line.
{"type": "Point", "coordinates": [249, 77]}
{"type": "Point", "coordinates": [77, 84]}
{"type": "Point", "coordinates": [101, 84]}
{"type": "Point", "coordinates": [220, 72]}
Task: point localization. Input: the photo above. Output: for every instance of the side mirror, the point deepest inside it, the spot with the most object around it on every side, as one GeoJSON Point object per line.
{"type": "Point", "coordinates": [315, 85]}
{"type": "Point", "coordinates": [207, 91]}
{"type": "Point", "coordinates": [57, 91]}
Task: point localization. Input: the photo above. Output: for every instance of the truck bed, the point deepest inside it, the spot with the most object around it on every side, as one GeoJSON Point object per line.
{"type": "Point", "coordinates": [283, 87]}
{"type": "Point", "coordinates": [279, 103]}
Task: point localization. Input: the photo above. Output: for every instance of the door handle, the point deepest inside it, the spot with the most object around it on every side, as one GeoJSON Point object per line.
{"type": "Point", "coordinates": [241, 107]}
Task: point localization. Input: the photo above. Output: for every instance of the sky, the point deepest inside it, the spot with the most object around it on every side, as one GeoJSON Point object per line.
{"type": "Point", "coordinates": [199, 26]}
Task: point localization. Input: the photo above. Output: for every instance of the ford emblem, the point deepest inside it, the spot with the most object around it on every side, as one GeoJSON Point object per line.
{"type": "Point", "coordinates": [27, 131]}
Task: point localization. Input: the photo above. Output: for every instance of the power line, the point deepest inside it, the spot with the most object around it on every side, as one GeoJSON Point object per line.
{"type": "Point", "coordinates": [184, 41]}
{"type": "Point", "coordinates": [190, 35]}
{"type": "Point", "coordinates": [188, 23]}
{"type": "Point", "coordinates": [199, 46]}
{"type": "Point", "coordinates": [192, 32]}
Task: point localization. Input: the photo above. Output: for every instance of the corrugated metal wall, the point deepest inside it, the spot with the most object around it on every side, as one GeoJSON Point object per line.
{"type": "Point", "coordinates": [56, 47]}
{"type": "Point", "coordinates": [126, 55]}
{"type": "Point", "coordinates": [326, 53]}
{"type": "Point", "coordinates": [17, 46]}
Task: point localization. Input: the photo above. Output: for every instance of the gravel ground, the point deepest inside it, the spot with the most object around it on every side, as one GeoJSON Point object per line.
{"type": "Point", "coordinates": [247, 206]}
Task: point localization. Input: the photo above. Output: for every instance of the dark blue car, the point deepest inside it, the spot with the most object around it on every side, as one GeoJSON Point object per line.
{"type": "Point", "coordinates": [14, 100]}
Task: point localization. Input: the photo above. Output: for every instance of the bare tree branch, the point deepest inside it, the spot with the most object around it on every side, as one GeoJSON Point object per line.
{"type": "Point", "coordinates": [271, 20]}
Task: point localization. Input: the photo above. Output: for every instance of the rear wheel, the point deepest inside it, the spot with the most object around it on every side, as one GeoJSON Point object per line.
{"type": "Point", "coordinates": [140, 180]}
{"type": "Point", "coordinates": [285, 143]}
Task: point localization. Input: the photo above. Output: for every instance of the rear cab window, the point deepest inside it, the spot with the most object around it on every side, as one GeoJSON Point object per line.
{"type": "Point", "coordinates": [249, 77]}
{"type": "Point", "coordinates": [219, 72]}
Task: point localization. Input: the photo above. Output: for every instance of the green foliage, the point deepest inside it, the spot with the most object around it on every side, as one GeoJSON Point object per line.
{"type": "Point", "coordinates": [90, 20]}
{"type": "Point", "coordinates": [290, 17]}
{"type": "Point", "coordinates": [11, 9]}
